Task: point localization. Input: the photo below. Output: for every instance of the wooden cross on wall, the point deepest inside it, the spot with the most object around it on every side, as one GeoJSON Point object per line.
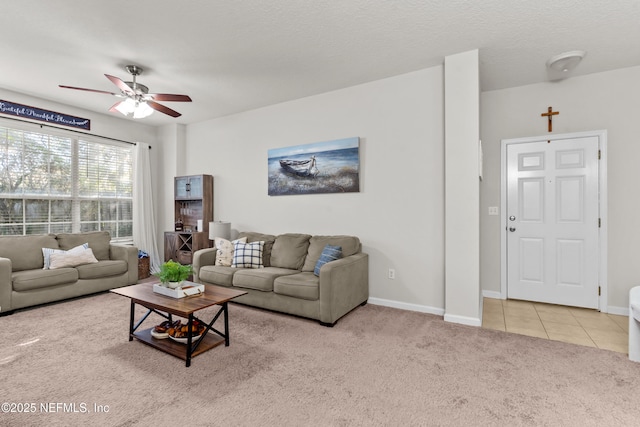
{"type": "Point", "coordinates": [549, 114]}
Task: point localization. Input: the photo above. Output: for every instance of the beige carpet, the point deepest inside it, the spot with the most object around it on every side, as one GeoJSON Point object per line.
{"type": "Point", "coordinates": [377, 366]}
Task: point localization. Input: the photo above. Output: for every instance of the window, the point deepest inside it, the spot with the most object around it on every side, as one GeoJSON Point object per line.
{"type": "Point", "coordinates": [55, 183]}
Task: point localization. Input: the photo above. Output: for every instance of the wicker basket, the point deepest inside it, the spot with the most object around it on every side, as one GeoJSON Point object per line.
{"type": "Point", "coordinates": [143, 268]}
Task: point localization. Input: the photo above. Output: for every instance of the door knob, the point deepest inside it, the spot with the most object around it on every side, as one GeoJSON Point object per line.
{"type": "Point", "coordinates": [512, 229]}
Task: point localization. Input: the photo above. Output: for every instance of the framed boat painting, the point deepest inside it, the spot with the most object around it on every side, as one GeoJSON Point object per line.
{"type": "Point", "coordinates": [321, 167]}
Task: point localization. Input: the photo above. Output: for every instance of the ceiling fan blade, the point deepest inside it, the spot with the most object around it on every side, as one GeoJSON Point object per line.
{"type": "Point", "coordinates": [121, 84]}
{"type": "Point", "coordinates": [163, 109]}
{"type": "Point", "coordinates": [168, 97]}
{"type": "Point", "coordinates": [113, 108]}
{"type": "Point", "coordinates": [88, 90]}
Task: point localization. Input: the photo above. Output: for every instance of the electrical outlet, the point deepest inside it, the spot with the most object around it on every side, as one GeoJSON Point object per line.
{"type": "Point", "coordinates": [392, 273]}
{"type": "Point", "coordinates": [493, 210]}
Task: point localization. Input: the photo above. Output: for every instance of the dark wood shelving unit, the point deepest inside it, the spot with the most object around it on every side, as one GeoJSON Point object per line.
{"type": "Point", "coordinates": [193, 200]}
{"type": "Point", "coordinates": [180, 246]}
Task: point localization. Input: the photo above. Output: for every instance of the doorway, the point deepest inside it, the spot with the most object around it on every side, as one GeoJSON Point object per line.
{"type": "Point", "coordinates": [553, 216]}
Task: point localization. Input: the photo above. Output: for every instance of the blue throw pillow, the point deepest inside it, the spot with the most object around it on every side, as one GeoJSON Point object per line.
{"type": "Point", "coordinates": [329, 253]}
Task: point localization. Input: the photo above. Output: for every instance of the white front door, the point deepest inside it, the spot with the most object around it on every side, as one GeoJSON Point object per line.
{"type": "Point", "coordinates": [552, 221]}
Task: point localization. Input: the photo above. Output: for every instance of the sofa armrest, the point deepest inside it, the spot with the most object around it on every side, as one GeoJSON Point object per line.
{"type": "Point", "coordinates": [344, 284]}
{"type": "Point", "coordinates": [201, 258]}
{"type": "Point", "coordinates": [130, 255]}
{"type": "Point", "coordinates": [6, 285]}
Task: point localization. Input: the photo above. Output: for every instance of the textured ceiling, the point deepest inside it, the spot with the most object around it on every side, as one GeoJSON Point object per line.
{"type": "Point", "coordinates": [233, 56]}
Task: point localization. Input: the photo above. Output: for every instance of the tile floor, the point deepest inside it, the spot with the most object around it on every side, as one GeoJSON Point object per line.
{"type": "Point", "coordinates": [569, 324]}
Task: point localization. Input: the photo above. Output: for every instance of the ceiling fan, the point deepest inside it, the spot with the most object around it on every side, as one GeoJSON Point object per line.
{"type": "Point", "coordinates": [138, 101]}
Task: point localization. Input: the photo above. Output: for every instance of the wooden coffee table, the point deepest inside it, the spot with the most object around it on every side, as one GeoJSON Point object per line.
{"type": "Point", "coordinates": [166, 306]}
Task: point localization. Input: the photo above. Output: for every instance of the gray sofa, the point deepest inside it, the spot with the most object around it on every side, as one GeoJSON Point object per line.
{"type": "Point", "coordinates": [24, 282]}
{"type": "Point", "coordinates": [287, 282]}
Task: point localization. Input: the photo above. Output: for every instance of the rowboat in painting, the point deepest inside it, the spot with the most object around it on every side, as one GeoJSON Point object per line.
{"type": "Point", "coordinates": [300, 167]}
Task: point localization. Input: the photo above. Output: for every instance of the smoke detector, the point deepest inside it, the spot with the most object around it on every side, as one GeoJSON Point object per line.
{"type": "Point", "coordinates": [567, 61]}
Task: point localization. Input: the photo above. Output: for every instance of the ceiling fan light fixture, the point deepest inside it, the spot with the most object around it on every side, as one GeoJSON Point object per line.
{"type": "Point", "coordinates": [566, 62]}
{"type": "Point", "coordinates": [139, 109]}
{"type": "Point", "coordinates": [142, 110]}
{"type": "Point", "coordinates": [126, 107]}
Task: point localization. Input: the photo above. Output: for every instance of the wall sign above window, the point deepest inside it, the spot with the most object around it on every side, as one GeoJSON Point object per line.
{"type": "Point", "coordinates": [28, 112]}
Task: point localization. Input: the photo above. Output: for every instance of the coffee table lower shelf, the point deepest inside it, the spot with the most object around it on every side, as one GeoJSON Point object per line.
{"type": "Point", "coordinates": [175, 348]}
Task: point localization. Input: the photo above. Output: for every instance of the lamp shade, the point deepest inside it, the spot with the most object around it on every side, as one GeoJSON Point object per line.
{"type": "Point", "coordinates": [219, 229]}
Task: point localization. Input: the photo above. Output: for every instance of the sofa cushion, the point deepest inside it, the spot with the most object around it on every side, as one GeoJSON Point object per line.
{"type": "Point", "coordinates": [247, 255]}
{"type": "Point", "coordinates": [28, 280]}
{"type": "Point", "coordinates": [252, 236]}
{"type": "Point", "coordinates": [302, 285]}
{"type": "Point", "coordinates": [224, 253]}
{"type": "Point", "coordinates": [71, 258]}
{"type": "Point", "coordinates": [25, 252]}
{"type": "Point", "coordinates": [98, 241]}
{"type": "Point", "coordinates": [268, 240]}
{"type": "Point", "coordinates": [350, 245]}
{"type": "Point", "coordinates": [102, 269]}
{"type": "Point", "coordinates": [329, 253]}
{"type": "Point", "coordinates": [259, 279]}
{"type": "Point", "coordinates": [290, 250]}
{"type": "Point", "coordinates": [46, 253]}
{"type": "Point", "coordinates": [217, 275]}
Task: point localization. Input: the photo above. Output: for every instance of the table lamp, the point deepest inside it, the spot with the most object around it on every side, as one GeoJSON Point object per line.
{"type": "Point", "coordinates": [219, 229]}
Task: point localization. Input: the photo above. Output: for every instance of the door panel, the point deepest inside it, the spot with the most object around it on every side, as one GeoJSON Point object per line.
{"type": "Point", "coordinates": [531, 161]}
{"type": "Point", "coordinates": [552, 221]}
{"type": "Point", "coordinates": [570, 199]}
{"type": "Point", "coordinates": [532, 260]}
{"type": "Point", "coordinates": [570, 254]}
{"type": "Point", "coordinates": [531, 207]}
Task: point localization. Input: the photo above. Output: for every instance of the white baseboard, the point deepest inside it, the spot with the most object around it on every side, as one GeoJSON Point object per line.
{"type": "Point", "coordinates": [471, 321]}
{"type": "Point", "coordinates": [620, 311]}
{"type": "Point", "coordinates": [492, 294]}
{"type": "Point", "coordinates": [407, 306]}
{"type": "Point", "coordinates": [463, 320]}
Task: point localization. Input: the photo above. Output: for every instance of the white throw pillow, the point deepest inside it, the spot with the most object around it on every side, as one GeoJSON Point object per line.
{"type": "Point", "coordinates": [224, 255]}
{"type": "Point", "coordinates": [46, 252]}
{"type": "Point", "coordinates": [71, 259]}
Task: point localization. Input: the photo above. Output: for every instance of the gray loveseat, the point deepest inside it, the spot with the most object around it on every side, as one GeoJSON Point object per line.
{"type": "Point", "coordinates": [287, 282]}
{"type": "Point", "coordinates": [24, 282]}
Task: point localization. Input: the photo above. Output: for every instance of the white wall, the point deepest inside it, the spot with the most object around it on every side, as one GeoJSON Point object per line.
{"type": "Point", "coordinates": [170, 161]}
{"type": "Point", "coordinates": [398, 213]}
{"type": "Point", "coordinates": [462, 130]}
{"type": "Point", "coordinates": [609, 100]}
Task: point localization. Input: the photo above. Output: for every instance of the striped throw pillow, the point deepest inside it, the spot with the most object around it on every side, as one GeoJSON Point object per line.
{"type": "Point", "coordinates": [46, 252]}
{"type": "Point", "coordinates": [329, 253]}
{"type": "Point", "coordinates": [72, 259]}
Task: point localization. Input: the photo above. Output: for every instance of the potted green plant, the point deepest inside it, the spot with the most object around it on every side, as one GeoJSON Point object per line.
{"type": "Point", "coordinates": [172, 274]}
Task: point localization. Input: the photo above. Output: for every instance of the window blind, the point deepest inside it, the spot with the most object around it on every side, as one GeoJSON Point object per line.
{"type": "Point", "coordinates": [52, 183]}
